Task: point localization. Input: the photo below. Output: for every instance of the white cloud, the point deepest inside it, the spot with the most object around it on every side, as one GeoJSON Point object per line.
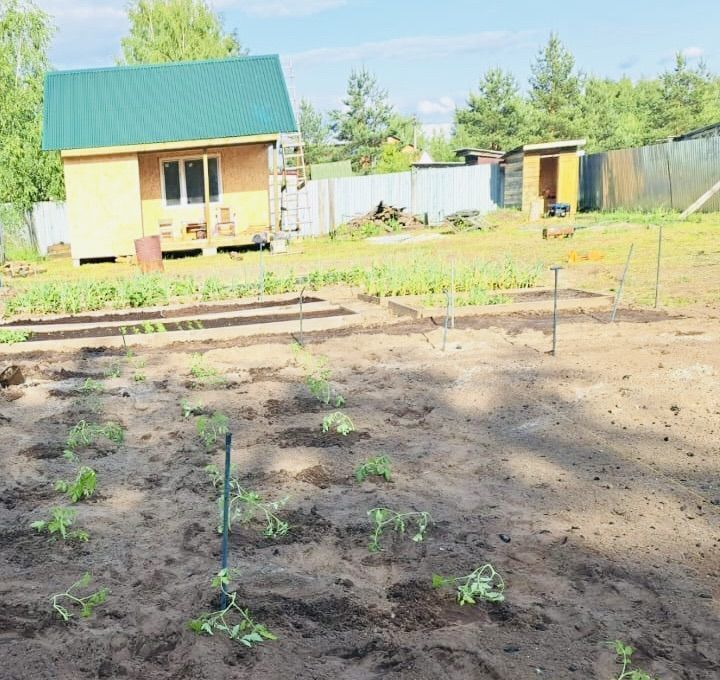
{"type": "Point", "coordinates": [441, 106]}
{"type": "Point", "coordinates": [413, 47]}
{"type": "Point", "coordinates": [267, 9]}
{"type": "Point", "coordinates": [692, 52]}
{"type": "Point", "coordinates": [443, 130]}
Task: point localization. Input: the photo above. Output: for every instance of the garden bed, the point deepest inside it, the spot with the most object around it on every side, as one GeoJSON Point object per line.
{"type": "Point", "coordinates": [587, 479]}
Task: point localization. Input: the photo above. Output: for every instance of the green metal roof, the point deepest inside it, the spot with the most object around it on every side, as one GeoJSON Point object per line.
{"type": "Point", "coordinates": [174, 102]}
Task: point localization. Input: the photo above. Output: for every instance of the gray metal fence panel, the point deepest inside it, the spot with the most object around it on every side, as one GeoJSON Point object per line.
{"type": "Point", "coordinates": [49, 222]}
{"type": "Point", "coordinates": [669, 176]}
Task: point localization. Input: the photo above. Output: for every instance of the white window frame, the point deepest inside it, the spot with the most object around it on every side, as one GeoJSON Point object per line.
{"type": "Point", "coordinates": [183, 186]}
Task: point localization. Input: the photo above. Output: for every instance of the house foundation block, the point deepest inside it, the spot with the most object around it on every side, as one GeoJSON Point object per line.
{"type": "Point", "coordinates": [209, 251]}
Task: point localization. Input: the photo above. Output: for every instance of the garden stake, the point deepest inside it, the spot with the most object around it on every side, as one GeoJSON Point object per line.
{"type": "Point", "coordinates": [622, 283]}
{"type": "Point", "coordinates": [556, 269]}
{"type": "Point", "coordinates": [657, 273]}
{"type": "Point", "coordinates": [261, 286]}
{"type": "Point", "coordinates": [447, 317]}
{"type": "Point", "coordinates": [302, 293]}
{"type": "Point", "coordinates": [226, 508]}
{"type": "Point", "coordinates": [452, 291]}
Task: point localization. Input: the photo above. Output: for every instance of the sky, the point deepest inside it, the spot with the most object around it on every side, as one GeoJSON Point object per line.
{"type": "Point", "coordinates": [428, 55]}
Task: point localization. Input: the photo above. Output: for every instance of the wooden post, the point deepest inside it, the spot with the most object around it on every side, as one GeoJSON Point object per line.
{"type": "Point", "coordinates": [701, 201]}
{"type": "Point", "coordinates": [206, 181]}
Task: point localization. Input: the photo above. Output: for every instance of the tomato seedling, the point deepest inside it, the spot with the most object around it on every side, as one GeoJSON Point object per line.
{"type": "Point", "coordinates": [233, 620]}
{"type": "Point", "coordinates": [82, 487]}
{"type": "Point", "coordinates": [86, 604]}
{"type": "Point", "coordinates": [379, 466]}
{"type": "Point", "coordinates": [482, 584]}
{"type": "Point", "coordinates": [211, 428]}
{"type": "Point", "coordinates": [60, 521]}
{"type": "Point", "coordinates": [624, 653]}
{"type": "Point", "coordinates": [384, 518]}
{"type": "Point", "coordinates": [339, 422]}
{"type": "Point", "coordinates": [246, 505]}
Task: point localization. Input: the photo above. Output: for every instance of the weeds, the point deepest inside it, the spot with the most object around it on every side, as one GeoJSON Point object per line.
{"type": "Point", "coordinates": [86, 604]}
{"type": "Point", "coordinates": [114, 370]}
{"type": "Point", "coordinates": [379, 466]}
{"type": "Point", "coordinates": [624, 653]}
{"type": "Point", "coordinates": [91, 386]}
{"type": "Point", "coordinates": [245, 505]}
{"type": "Point", "coordinates": [211, 428]}
{"type": "Point", "coordinates": [59, 523]}
{"type": "Point", "coordinates": [10, 336]}
{"type": "Point", "coordinates": [482, 584]}
{"type": "Point", "coordinates": [82, 487]}
{"type": "Point", "coordinates": [338, 421]}
{"type": "Point", "coordinates": [233, 620]}
{"type": "Point", "coordinates": [384, 518]}
{"type": "Point", "coordinates": [203, 373]}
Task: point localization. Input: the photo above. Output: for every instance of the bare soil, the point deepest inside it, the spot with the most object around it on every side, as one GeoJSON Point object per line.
{"type": "Point", "coordinates": [601, 465]}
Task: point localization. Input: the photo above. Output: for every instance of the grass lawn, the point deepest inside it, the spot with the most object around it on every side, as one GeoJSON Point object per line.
{"type": "Point", "coordinates": [690, 270]}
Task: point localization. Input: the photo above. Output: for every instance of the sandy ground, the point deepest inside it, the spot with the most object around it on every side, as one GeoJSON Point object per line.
{"type": "Point", "coordinates": [601, 465]}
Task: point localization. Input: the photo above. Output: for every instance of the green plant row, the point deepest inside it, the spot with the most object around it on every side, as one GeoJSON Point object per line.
{"type": "Point", "coordinates": [422, 276]}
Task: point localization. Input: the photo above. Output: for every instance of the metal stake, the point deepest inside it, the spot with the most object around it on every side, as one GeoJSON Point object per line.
{"type": "Point", "coordinates": [452, 292]}
{"type": "Point", "coordinates": [556, 269]}
{"type": "Point", "coordinates": [657, 273]}
{"type": "Point", "coordinates": [447, 318]}
{"type": "Point", "coordinates": [302, 293]}
{"type": "Point", "coordinates": [622, 284]}
{"type": "Point", "coordinates": [226, 512]}
{"type": "Point", "coordinates": [261, 287]}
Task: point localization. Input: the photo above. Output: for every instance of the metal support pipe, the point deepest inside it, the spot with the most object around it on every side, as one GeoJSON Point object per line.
{"type": "Point", "coordinates": [226, 513]}
{"type": "Point", "coordinates": [447, 319]}
{"type": "Point", "coordinates": [555, 269]}
{"type": "Point", "coordinates": [622, 284]}
{"type": "Point", "coordinates": [657, 272]}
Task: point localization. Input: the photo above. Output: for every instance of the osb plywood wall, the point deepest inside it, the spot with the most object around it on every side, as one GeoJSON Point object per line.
{"type": "Point", "coordinates": [568, 184]}
{"type": "Point", "coordinates": [103, 204]}
{"type": "Point", "coordinates": [243, 181]}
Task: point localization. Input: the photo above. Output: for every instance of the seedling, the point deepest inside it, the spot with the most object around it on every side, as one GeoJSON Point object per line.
{"type": "Point", "coordinates": [384, 518]}
{"type": "Point", "coordinates": [318, 377]}
{"type": "Point", "coordinates": [482, 584]}
{"type": "Point", "coordinates": [91, 386]}
{"type": "Point", "coordinates": [378, 466]}
{"type": "Point", "coordinates": [82, 487]}
{"type": "Point", "coordinates": [84, 434]}
{"type": "Point", "coordinates": [204, 373]}
{"type": "Point", "coordinates": [245, 505]}
{"type": "Point", "coordinates": [114, 370]}
{"type": "Point", "coordinates": [61, 520]}
{"type": "Point", "coordinates": [211, 428]}
{"type": "Point", "coordinates": [10, 336]}
{"type": "Point", "coordinates": [338, 421]}
{"type": "Point", "coordinates": [86, 604]}
{"type": "Point", "coordinates": [233, 621]}
{"type": "Point", "coordinates": [624, 653]}
{"type": "Point", "coordinates": [217, 477]}
{"type": "Point", "coordinates": [139, 376]}
{"type": "Point", "coordinates": [189, 409]}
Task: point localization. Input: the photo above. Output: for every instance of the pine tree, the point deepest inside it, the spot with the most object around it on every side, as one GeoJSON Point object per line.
{"type": "Point", "coordinates": [315, 133]}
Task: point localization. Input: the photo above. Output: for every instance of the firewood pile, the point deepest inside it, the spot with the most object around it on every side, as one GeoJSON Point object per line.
{"type": "Point", "coordinates": [388, 217]}
{"type": "Point", "coordinates": [20, 269]}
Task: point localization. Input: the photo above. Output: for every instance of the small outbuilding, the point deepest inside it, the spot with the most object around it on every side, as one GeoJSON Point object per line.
{"type": "Point", "coordinates": [179, 150]}
{"type": "Point", "coordinates": [543, 174]}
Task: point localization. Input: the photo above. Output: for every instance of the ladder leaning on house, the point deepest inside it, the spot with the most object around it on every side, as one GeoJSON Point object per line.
{"type": "Point", "coordinates": [294, 204]}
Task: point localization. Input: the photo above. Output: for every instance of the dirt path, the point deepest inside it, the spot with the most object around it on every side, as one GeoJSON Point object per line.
{"type": "Point", "coordinates": [601, 466]}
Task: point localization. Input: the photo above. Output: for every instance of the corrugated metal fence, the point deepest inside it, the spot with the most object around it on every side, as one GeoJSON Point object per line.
{"type": "Point", "coordinates": [669, 176]}
{"type": "Point", "coordinates": [48, 222]}
{"type": "Point", "coordinates": [433, 191]}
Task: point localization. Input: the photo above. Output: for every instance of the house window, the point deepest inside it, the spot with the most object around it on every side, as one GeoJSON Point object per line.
{"type": "Point", "coordinates": [183, 181]}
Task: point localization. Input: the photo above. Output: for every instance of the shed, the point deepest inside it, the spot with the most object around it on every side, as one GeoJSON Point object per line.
{"type": "Point", "coordinates": [480, 156]}
{"type": "Point", "coordinates": [181, 150]}
{"type": "Point", "coordinates": [549, 172]}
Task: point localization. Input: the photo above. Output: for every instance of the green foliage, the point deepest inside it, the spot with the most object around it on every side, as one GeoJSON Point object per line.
{"type": "Point", "coordinates": [84, 434]}
{"type": "Point", "coordinates": [175, 30]}
{"type": "Point", "coordinates": [624, 653]}
{"type": "Point", "coordinates": [476, 296]}
{"type": "Point", "coordinates": [188, 409]}
{"type": "Point", "coordinates": [392, 158]}
{"type": "Point", "coordinates": [9, 336]}
{"type": "Point", "coordinates": [378, 466]}
{"type": "Point", "coordinates": [87, 603]}
{"type": "Point", "coordinates": [315, 134]}
{"type": "Point", "coordinates": [338, 421]}
{"type": "Point", "coordinates": [211, 428]}
{"type": "Point", "coordinates": [496, 117]}
{"type": "Point", "coordinates": [27, 175]}
{"type": "Point", "coordinates": [91, 386]}
{"type": "Point", "coordinates": [203, 373]}
{"type": "Point", "coordinates": [246, 505]}
{"type": "Point", "coordinates": [363, 121]}
{"type": "Point", "coordinates": [233, 620]}
{"type": "Point", "coordinates": [400, 522]}
{"type": "Point", "coordinates": [82, 487]}
{"type": "Point", "coordinates": [216, 476]}
{"type": "Point", "coordinates": [317, 377]}
{"type": "Point", "coordinates": [482, 584]}
{"type": "Point", "coordinates": [60, 521]}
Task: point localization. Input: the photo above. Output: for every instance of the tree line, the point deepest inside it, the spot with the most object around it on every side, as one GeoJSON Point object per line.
{"type": "Point", "coordinates": [559, 102]}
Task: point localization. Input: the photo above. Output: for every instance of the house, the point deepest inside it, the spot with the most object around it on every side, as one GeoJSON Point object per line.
{"type": "Point", "coordinates": [179, 150]}
{"type": "Point", "coordinates": [542, 174]}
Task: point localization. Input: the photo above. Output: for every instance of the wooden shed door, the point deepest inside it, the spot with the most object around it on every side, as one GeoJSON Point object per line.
{"type": "Point", "coordinates": [548, 180]}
